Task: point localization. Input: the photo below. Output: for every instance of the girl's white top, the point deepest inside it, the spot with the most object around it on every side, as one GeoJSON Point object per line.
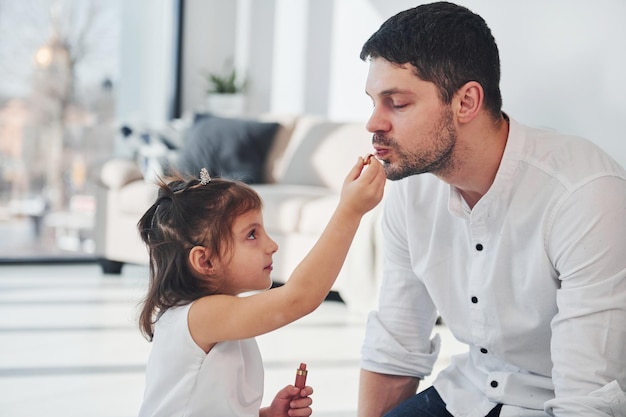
{"type": "Point", "coordinates": [182, 380]}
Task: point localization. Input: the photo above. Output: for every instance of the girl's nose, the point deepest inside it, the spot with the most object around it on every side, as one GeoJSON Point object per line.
{"type": "Point", "coordinates": [273, 246]}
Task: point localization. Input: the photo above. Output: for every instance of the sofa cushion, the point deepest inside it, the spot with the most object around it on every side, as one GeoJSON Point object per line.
{"type": "Point", "coordinates": [315, 215]}
{"type": "Point", "coordinates": [283, 205]}
{"type": "Point", "coordinates": [136, 197]}
{"type": "Point", "coordinates": [118, 172]}
{"type": "Point", "coordinates": [228, 147]}
{"type": "Point", "coordinates": [287, 123]}
{"type": "Point", "coordinates": [321, 153]}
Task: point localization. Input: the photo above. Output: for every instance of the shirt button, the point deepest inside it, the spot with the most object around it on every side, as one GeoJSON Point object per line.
{"type": "Point", "coordinates": [494, 384]}
{"type": "Point", "coordinates": [474, 300]}
{"type": "Point", "coordinates": [483, 350]}
{"type": "Point", "coordinates": [479, 247]}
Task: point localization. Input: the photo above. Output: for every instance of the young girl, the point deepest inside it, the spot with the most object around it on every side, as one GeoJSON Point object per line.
{"type": "Point", "coordinates": [207, 247]}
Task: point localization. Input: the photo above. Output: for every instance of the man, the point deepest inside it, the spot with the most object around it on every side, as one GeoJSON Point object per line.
{"type": "Point", "coordinates": [515, 236]}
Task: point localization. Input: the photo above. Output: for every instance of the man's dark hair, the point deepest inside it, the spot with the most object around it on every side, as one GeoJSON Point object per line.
{"type": "Point", "coordinates": [448, 45]}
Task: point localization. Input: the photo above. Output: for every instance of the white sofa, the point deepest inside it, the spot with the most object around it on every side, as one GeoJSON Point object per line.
{"type": "Point", "coordinates": [305, 168]}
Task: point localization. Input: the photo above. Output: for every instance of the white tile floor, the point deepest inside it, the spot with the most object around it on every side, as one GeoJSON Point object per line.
{"type": "Point", "coordinates": [69, 346]}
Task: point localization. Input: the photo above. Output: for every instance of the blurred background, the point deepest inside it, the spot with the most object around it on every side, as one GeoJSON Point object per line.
{"type": "Point", "coordinates": [73, 72]}
{"type": "Point", "coordinates": [76, 76]}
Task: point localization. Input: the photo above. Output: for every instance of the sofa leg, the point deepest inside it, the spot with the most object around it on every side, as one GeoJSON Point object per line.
{"type": "Point", "coordinates": [110, 267]}
{"type": "Point", "coordinates": [334, 296]}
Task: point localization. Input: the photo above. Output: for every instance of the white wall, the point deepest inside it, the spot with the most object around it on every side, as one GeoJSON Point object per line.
{"type": "Point", "coordinates": [562, 65]}
{"type": "Point", "coordinates": [562, 60]}
{"type": "Point", "coordinates": [145, 86]}
{"type": "Point", "coordinates": [210, 42]}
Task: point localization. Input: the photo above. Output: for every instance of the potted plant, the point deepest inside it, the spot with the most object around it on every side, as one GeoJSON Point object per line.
{"type": "Point", "coordinates": [225, 94]}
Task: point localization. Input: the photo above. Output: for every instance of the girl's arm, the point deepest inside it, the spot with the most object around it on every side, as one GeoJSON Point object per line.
{"type": "Point", "coordinates": [222, 317]}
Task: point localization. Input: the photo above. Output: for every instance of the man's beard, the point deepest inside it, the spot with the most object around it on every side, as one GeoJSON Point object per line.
{"type": "Point", "coordinates": [437, 160]}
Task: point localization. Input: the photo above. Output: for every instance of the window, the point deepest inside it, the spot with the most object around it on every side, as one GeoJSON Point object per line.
{"type": "Point", "coordinates": [58, 72]}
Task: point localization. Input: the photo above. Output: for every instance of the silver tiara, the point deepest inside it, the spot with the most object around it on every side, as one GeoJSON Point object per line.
{"type": "Point", "coordinates": [205, 178]}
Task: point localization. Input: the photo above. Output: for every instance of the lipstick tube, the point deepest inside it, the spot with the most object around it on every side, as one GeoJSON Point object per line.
{"type": "Point", "coordinates": [301, 373]}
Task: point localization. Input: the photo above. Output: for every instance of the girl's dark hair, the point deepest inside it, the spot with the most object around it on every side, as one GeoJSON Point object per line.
{"type": "Point", "coordinates": [187, 214]}
{"type": "Point", "coordinates": [447, 44]}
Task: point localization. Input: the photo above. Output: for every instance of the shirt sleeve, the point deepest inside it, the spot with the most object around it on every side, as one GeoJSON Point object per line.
{"type": "Point", "coordinates": [586, 240]}
{"type": "Point", "coordinates": [398, 335]}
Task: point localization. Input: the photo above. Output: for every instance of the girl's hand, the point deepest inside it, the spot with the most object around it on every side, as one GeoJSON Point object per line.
{"type": "Point", "coordinates": [363, 187]}
{"type": "Point", "coordinates": [290, 402]}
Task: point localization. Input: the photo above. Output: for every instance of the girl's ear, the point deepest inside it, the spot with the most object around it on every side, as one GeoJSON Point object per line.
{"type": "Point", "coordinates": [200, 261]}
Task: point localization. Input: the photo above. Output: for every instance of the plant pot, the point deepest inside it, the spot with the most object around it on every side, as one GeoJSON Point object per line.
{"type": "Point", "coordinates": [229, 105]}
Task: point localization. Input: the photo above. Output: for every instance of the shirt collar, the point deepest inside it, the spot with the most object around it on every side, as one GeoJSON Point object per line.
{"type": "Point", "coordinates": [513, 151]}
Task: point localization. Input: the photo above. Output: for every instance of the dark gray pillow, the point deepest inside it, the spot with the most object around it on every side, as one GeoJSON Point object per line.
{"type": "Point", "coordinates": [228, 147]}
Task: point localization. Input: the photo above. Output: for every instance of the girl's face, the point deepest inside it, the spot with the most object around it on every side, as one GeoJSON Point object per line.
{"type": "Point", "coordinates": [249, 264]}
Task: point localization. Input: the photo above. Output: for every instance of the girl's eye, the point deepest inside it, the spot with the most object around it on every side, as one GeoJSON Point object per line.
{"type": "Point", "coordinates": [251, 235]}
{"type": "Point", "coordinates": [399, 106]}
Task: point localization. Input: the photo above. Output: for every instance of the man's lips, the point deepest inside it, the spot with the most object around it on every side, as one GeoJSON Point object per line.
{"type": "Point", "coordinates": [381, 152]}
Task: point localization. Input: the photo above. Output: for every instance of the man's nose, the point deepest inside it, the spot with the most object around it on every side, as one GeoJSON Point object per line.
{"type": "Point", "coordinates": [377, 122]}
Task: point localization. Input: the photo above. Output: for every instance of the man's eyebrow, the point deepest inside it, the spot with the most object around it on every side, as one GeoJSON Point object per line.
{"type": "Point", "coordinates": [392, 91]}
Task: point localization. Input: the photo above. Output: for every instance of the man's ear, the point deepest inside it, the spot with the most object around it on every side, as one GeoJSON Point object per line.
{"type": "Point", "coordinates": [470, 99]}
{"type": "Point", "coordinates": [200, 260]}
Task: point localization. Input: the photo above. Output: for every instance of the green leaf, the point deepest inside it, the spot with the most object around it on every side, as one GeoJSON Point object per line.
{"type": "Point", "coordinates": [225, 84]}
